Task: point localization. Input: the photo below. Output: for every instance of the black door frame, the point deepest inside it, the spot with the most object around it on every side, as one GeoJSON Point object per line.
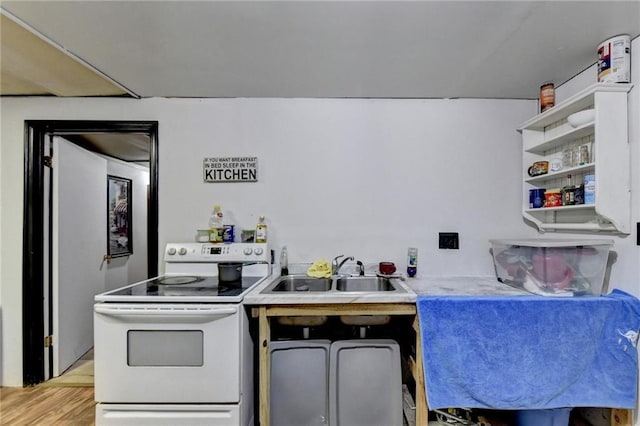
{"type": "Point", "coordinates": [33, 229]}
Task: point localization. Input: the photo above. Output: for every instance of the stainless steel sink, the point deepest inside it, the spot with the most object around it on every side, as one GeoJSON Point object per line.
{"type": "Point", "coordinates": [300, 283]}
{"type": "Point", "coordinates": [303, 284]}
{"type": "Point", "coordinates": [364, 284]}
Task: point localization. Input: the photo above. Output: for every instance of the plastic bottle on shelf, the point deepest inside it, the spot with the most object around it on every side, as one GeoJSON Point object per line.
{"type": "Point", "coordinates": [216, 225]}
{"type": "Point", "coordinates": [261, 231]}
{"type": "Point", "coordinates": [284, 262]}
{"type": "Point", "coordinates": [412, 262]}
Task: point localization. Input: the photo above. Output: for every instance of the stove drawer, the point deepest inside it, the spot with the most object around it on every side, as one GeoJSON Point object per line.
{"type": "Point", "coordinates": [167, 415]}
{"type": "Point", "coordinates": [166, 353]}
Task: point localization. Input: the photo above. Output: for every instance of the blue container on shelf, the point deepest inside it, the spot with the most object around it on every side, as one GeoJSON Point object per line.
{"type": "Point", "coordinates": [590, 189]}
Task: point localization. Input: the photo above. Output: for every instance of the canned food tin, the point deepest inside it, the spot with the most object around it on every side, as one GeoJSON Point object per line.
{"type": "Point", "coordinates": [547, 96]}
{"type": "Point", "coordinates": [553, 198]}
{"type": "Point", "coordinates": [578, 194]}
{"type": "Point", "coordinates": [536, 198]}
{"type": "Point", "coordinates": [228, 233]}
{"type": "Point", "coordinates": [614, 60]}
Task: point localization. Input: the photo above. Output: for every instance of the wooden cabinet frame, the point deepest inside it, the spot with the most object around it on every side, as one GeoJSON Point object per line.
{"type": "Point", "coordinates": [267, 312]}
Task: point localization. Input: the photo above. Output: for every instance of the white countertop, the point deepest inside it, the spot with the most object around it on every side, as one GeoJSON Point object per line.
{"type": "Point", "coordinates": [435, 286]}
{"type": "Point", "coordinates": [462, 286]}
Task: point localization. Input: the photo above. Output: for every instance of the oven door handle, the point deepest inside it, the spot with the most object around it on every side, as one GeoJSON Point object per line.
{"type": "Point", "coordinates": [182, 315]}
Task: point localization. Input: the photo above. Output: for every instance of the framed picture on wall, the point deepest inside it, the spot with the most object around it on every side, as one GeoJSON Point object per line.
{"type": "Point", "coordinates": [119, 221]}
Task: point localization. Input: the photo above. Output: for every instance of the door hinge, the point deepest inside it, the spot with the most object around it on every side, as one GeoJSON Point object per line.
{"type": "Point", "coordinates": [48, 341]}
{"type": "Point", "coordinates": [48, 161]}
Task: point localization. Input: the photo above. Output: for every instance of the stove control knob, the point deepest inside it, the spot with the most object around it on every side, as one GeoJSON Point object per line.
{"type": "Point", "coordinates": [258, 251]}
{"type": "Point", "coordinates": [182, 251]}
{"type": "Point", "coordinates": [248, 251]}
{"type": "Point", "coordinates": [171, 251]}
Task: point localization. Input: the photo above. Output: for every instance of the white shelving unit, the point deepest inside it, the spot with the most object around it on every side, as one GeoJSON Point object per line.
{"type": "Point", "coordinates": [547, 135]}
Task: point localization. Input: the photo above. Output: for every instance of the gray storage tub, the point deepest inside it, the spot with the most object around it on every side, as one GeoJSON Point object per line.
{"type": "Point", "coordinates": [299, 383]}
{"type": "Point", "coordinates": [365, 384]}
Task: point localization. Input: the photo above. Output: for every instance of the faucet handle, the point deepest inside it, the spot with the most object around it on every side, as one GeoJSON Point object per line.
{"type": "Point", "coordinates": [360, 268]}
{"type": "Point", "coordinates": [334, 264]}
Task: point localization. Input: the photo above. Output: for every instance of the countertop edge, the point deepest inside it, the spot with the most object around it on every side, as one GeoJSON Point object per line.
{"type": "Point", "coordinates": [254, 297]}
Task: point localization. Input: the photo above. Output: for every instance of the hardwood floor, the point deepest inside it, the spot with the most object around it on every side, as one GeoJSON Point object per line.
{"type": "Point", "coordinates": [63, 401]}
{"type": "Point", "coordinates": [42, 405]}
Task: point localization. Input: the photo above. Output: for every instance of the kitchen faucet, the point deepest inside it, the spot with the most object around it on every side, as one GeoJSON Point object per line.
{"type": "Point", "coordinates": [335, 266]}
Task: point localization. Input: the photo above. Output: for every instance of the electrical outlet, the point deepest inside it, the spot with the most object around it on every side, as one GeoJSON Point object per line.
{"type": "Point", "coordinates": [448, 240]}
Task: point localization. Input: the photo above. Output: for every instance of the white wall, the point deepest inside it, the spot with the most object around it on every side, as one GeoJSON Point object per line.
{"type": "Point", "coordinates": [1, 248]}
{"type": "Point", "coordinates": [132, 268]}
{"type": "Point", "coordinates": [367, 178]}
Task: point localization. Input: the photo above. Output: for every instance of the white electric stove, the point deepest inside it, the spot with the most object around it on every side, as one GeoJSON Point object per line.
{"type": "Point", "coordinates": [176, 349]}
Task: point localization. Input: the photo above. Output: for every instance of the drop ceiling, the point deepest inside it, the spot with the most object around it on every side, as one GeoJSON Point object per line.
{"type": "Point", "coordinates": [352, 49]}
{"type": "Point", "coordinates": [32, 65]}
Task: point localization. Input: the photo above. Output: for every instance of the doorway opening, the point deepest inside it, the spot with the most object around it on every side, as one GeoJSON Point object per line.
{"type": "Point", "coordinates": [34, 253]}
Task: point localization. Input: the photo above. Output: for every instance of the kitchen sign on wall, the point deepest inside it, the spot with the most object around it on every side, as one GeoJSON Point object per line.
{"type": "Point", "coordinates": [230, 169]}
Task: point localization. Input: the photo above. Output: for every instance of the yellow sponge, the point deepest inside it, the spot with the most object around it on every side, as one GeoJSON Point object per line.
{"type": "Point", "coordinates": [320, 269]}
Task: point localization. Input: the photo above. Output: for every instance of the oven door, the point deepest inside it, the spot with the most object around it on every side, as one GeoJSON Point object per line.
{"type": "Point", "coordinates": [168, 353]}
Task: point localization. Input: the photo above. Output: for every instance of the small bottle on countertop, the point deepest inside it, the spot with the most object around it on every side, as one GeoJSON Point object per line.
{"type": "Point", "coordinates": [216, 226]}
{"type": "Point", "coordinates": [284, 262]}
{"type": "Point", "coordinates": [261, 231]}
{"type": "Point", "coordinates": [412, 262]}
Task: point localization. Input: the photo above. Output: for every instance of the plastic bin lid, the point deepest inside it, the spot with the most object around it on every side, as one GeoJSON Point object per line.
{"type": "Point", "coordinates": [539, 242]}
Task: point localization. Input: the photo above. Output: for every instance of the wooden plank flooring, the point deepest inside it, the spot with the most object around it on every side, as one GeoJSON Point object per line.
{"type": "Point", "coordinates": [41, 405]}
{"type": "Point", "coordinates": [64, 401]}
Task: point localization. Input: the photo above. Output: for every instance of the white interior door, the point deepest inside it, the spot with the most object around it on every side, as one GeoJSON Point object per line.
{"type": "Point", "coordinates": [79, 244]}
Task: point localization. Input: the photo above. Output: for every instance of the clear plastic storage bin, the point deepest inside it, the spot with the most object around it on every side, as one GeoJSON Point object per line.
{"type": "Point", "coordinates": [552, 267]}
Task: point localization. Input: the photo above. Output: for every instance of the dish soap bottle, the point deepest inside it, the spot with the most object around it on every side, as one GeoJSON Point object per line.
{"type": "Point", "coordinates": [261, 231]}
{"type": "Point", "coordinates": [216, 227]}
{"type": "Point", "coordinates": [284, 262]}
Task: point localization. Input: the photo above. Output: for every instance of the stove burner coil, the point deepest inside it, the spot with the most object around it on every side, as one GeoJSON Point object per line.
{"type": "Point", "coordinates": [178, 280]}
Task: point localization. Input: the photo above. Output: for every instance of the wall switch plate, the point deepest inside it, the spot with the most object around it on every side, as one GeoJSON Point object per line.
{"type": "Point", "coordinates": [448, 240]}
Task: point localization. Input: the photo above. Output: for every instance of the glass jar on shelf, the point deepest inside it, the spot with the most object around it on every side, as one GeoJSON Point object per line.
{"type": "Point", "coordinates": [568, 192]}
